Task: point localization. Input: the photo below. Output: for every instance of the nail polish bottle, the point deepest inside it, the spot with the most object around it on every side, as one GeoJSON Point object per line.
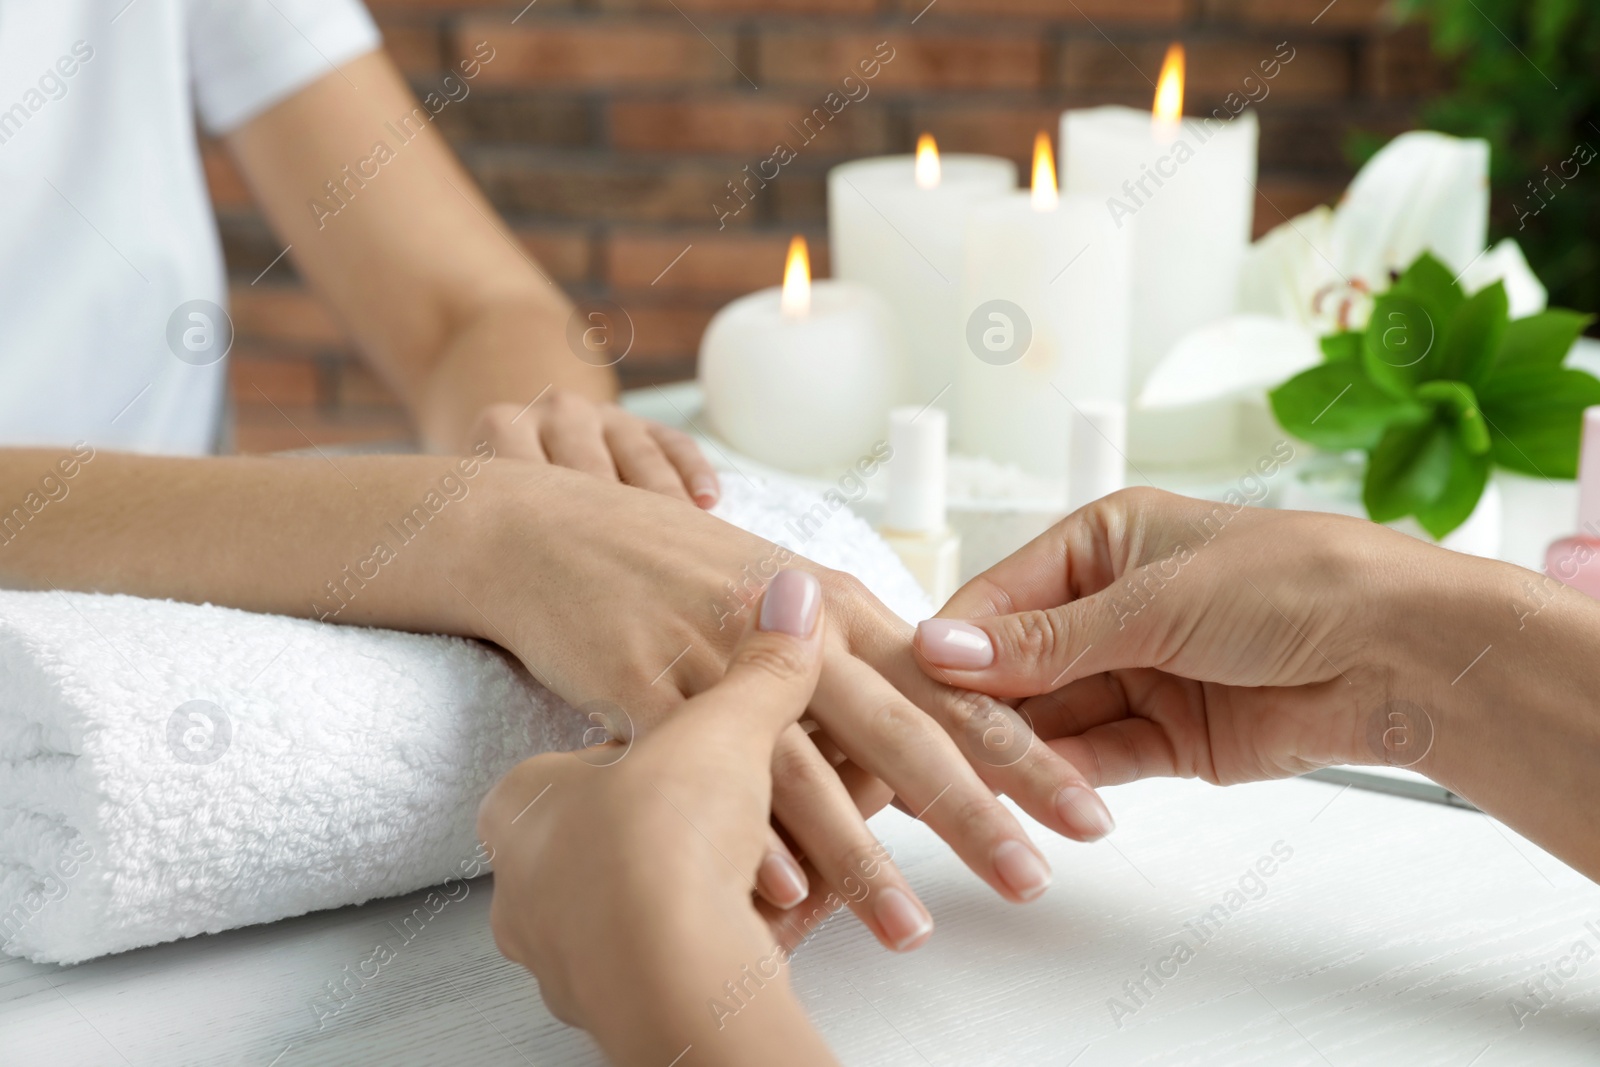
{"type": "Point", "coordinates": [1575, 561]}
{"type": "Point", "coordinates": [1097, 460]}
{"type": "Point", "coordinates": [914, 517]}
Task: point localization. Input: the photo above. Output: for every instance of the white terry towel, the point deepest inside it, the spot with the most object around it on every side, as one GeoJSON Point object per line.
{"type": "Point", "coordinates": [172, 769]}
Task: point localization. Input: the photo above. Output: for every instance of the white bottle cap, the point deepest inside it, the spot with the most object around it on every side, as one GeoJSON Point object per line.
{"type": "Point", "coordinates": [1097, 443]}
{"type": "Point", "coordinates": [1589, 474]}
{"type": "Point", "coordinates": [918, 437]}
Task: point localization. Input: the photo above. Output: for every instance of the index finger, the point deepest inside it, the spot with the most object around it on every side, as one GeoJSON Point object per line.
{"type": "Point", "coordinates": [1078, 556]}
{"type": "Point", "coordinates": [699, 476]}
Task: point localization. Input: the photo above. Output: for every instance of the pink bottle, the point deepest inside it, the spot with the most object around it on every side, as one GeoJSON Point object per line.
{"type": "Point", "coordinates": [1575, 561]}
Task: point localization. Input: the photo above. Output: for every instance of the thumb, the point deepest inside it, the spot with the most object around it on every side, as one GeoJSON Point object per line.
{"type": "Point", "coordinates": [774, 669]}
{"type": "Point", "coordinates": [1032, 652]}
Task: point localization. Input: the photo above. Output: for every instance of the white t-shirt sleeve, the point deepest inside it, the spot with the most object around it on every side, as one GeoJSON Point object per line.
{"type": "Point", "coordinates": [247, 55]}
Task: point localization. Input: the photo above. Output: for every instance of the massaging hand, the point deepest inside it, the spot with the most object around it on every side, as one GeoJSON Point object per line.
{"type": "Point", "coordinates": [1159, 635]}
{"type": "Point", "coordinates": [641, 613]}
{"type": "Point", "coordinates": [625, 886]}
{"type": "Point", "coordinates": [566, 428]}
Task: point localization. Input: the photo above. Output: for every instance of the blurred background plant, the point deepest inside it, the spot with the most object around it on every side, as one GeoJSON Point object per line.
{"type": "Point", "coordinates": [1526, 78]}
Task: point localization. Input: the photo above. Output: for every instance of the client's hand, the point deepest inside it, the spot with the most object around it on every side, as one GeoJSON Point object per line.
{"type": "Point", "coordinates": [625, 887]}
{"type": "Point", "coordinates": [627, 604]}
{"type": "Point", "coordinates": [568, 429]}
{"type": "Point", "coordinates": [1159, 635]}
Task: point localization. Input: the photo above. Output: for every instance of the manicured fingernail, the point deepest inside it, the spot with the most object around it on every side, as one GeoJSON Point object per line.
{"type": "Point", "coordinates": [781, 880]}
{"type": "Point", "coordinates": [948, 643]}
{"type": "Point", "coordinates": [791, 604]}
{"type": "Point", "coordinates": [1021, 868]}
{"type": "Point", "coordinates": [903, 922]}
{"type": "Point", "coordinates": [1082, 809]}
{"type": "Point", "coordinates": [705, 490]}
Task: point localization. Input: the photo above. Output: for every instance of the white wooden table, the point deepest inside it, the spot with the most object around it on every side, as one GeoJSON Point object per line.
{"type": "Point", "coordinates": [1396, 932]}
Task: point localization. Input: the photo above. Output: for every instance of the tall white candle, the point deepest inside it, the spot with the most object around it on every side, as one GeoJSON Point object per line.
{"type": "Point", "coordinates": [1045, 322]}
{"type": "Point", "coordinates": [1185, 190]}
{"type": "Point", "coordinates": [896, 224]}
{"type": "Point", "coordinates": [802, 377]}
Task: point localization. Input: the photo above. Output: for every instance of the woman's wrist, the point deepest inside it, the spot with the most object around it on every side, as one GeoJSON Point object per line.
{"type": "Point", "coordinates": [1496, 682]}
{"type": "Point", "coordinates": [498, 556]}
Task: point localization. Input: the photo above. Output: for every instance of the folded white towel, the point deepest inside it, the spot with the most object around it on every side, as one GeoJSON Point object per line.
{"type": "Point", "coordinates": [172, 769]}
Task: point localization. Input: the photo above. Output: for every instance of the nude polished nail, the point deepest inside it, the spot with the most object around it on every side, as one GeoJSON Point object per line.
{"type": "Point", "coordinates": [1082, 809]}
{"type": "Point", "coordinates": [791, 603]}
{"type": "Point", "coordinates": [782, 880]}
{"type": "Point", "coordinates": [903, 922]}
{"type": "Point", "coordinates": [950, 643]}
{"type": "Point", "coordinates": [705, 490]}
{"type": "Point", "coordinates": [1021, 869]}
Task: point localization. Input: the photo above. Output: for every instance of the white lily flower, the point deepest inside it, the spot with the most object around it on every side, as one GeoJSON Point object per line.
{"type": "Point", "coordinates": [1319, 272]}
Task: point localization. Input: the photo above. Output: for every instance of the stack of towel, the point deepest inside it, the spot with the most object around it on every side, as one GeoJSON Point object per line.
{"type": "Point", "coordinates": [172, 769]}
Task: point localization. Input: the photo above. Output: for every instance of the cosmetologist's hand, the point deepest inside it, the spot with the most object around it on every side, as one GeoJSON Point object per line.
{"type": "Point", "coordinates": [626, 886]}
{"type": "Point", "coordinates": [1158, 635]}
{"type": "Point", "coordinates": [568, 429]}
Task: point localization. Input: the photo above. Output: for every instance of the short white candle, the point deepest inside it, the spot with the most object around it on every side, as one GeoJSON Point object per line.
{"type": "Point", "coordinates": [802, 377]}
{"type": "Point", "coordinates": [1044, 311]}
{"type": "Point", "coordinates": [896, 224]}
{"type": "Point", "coordinates": [1185, 190]}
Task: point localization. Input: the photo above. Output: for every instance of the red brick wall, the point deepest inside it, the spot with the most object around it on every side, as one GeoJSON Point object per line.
{"type": "Point", "coordinates": [606, 129]}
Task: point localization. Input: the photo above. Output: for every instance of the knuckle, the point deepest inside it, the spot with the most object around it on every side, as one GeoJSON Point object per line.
{"type": "Point", "coordinates": [964, 706]}
{"type": "Point", "coordinates": [566, 402]}
{"type": "Point", "coordinates": [795, 770]}
{"type": "Point", "coordinates": [670, 435]}
{"type": "Point", "coordinates": [496, 419]}
{"type": "Point", "coordinates": [1127, 757]}
{"type": "Point", "coordinates": [897, 724]}
{"type": "Point", "coordinates": [784, 660]}
{"type": "Point", "coordinates": [865, 860]}
{"type": "Point", "coordinates": [975, 815]}
{"type": "Point", "coordinates": [842, 589]}
{"type": "Point", "coordinates": [1036, 637]}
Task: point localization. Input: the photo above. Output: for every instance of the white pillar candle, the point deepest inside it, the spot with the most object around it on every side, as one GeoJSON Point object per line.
{"type": "Point", "coordinates": [802, 377]}
{"type": "Point", "coordinates": [1044, 312]}
{"type": "Point", "coordinates": [1185, 190]}
{"type": "Point", "coordinates": [896, 225]}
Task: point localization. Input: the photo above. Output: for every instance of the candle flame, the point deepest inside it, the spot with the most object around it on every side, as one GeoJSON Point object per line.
{"type": "Point", "coordinates": [927, 162]}
{"type": "Point", "coordinates": [796, 298]}
{"type": "Point", "coordinates": [1046, 196]}
{"type": "Point", "coordinates": [1168, 110]}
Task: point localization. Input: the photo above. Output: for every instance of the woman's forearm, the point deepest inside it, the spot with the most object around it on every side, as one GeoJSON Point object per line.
{"type": "Point", "coordinates": [1505, 664]}
{"type": "Point", "coordinates": [385, 541]}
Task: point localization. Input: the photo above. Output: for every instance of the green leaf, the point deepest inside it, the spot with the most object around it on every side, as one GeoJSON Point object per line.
{"type": "Point", "coordinates": [1401, 343]}
{"type": "Point", "coordinates": [1535, 419]}
{"type": "Point", "coordinates": [1462, 490]}
{"type": "Point", "coordinates": [1540, 341]}
{"type": "Point", "coordinates": [1430, 283]}
{"type": "Point", "coordinates": [1460, 407]}
{"type": "Point", "coordinates": [1334, 406]}
{"type": "Point", "coordinates": [1408, 470]}
{"type": "Point", "coordinates": [1339, 347]}
{"type": "Point", "coordinates": [1472, 338]}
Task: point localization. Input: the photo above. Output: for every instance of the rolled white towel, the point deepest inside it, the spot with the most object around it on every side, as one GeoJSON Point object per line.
{"type": "Point", "coordinates": [172, 769]}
